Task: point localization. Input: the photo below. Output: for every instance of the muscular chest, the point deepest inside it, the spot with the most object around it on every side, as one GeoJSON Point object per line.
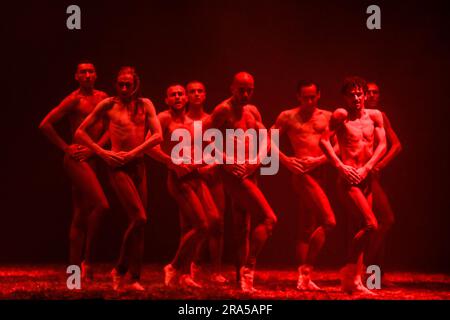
{"type": "Point", "coordinates": [84, 107]}
{"type": "Point", "coordinates": [174, 126]}
{"type": "Point", "coordinates": [316, 125]}
{"type": "Point", "coordinates": [127, 117]}
{"type": "Point", "coordinates": [244, 121]}
{"type": "Point", "coordinates": [359, 130]}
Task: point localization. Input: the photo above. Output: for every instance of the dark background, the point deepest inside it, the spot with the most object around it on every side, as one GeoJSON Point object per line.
{"type": "Point", "coordinates": [279, 42]}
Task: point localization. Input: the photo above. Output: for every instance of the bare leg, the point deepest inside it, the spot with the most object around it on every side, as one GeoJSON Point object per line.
{"type": "Point", "coordinates": [129, 196]}
{"type": "Point", "coordinates": [357, 200]}
{"type": "Point", "coordinates": [249, 203]}
{"type": "Point", "coordinates": [216, 238]}
{"type": "Point", "coordinates": [241, 230]}
{"type": "Point", "coordinates": [90, 204]}
{"type": "Point", "coordinates": [77, 230]}
{"type": "Point", "coordinates": [385, 217]}
{"type": "Point", "coordinates": [138, 248]}
{"type": "Point", "coordinates": [315, 204]}
{"type": "Point", "coordinates": [306, 222]}
{"type": "Point", "coordinates": [214, 232]}
{"type": "Point", "coordinates": [214, 243]}
{"type": "Point", "coordinates": [246, 195]}
{"type": "Point", "coordinates": [191, 207]}
{"type": "Point", "coordinates": [185, 227]}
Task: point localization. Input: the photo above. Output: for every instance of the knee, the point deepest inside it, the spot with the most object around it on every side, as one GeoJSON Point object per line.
{"type": "Point", "coordinates": [139, 221]}
{"type": "Point", "coordinates": [390, 222]}
{"type": "Point", "coordinates": [102, 206]}
{"type": "Point", "coordinates": [270, 223]}
{"type": "Point", "coordinates": [372, 226]}
{"type": "Point", "coordinates": [216, 226]}
{"type": "Point", "coordinates": [78, 223]}
{"type": "Point", "coordinates": [204, 228]}
{"type": "Point", "coordinates": [387, 224]}
{"type": "Point", "coordinates": [305, 233]}
{"type": "Point", "coordinates": [272, 220]}
{"type": "Point", "coordinates": [242, 231]}
{"type": "Point", "coordinates": [73, 234]}
{"type": "Point", "coordinates": [329, 225]}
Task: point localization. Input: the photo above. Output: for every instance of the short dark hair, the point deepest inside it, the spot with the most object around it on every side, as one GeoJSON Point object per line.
{"type": "Point", "coordinates": [372, 82]}
{"type": "Point", "coordinates": [174, 84]}
{"type": "Point", "coordinates": [307, 83]}
{"type": "Point", "coordinates": [195, 81]}
{"type": "Point", "coordinates": [353, 82]}
{"type": "Point", "coordinates": [85, 61]}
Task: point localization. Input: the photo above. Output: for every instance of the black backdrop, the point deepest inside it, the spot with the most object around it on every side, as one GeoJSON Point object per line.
{"type": "Point", "coordinates": [277, 41]}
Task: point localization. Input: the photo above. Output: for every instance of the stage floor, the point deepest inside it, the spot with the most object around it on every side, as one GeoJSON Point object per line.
{"type": "Point", "coordinates": [49, 282]}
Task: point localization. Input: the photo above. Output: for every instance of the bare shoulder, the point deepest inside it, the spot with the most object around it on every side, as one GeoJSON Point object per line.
{"type": "Point", "coordinates": [285, 119]}
{"type": "Point", "coordinates": [100, 94]}
{"type": "Point", "coordinates": [287, 115]}
{"type": "Point", "coordinates": [251, 108]}
{"type": "Point", "coordinates": [385, 118]}
{"type": "Point", "coordinates": [225, 104]}
{"type": "Point", "coordinates": [145, 101]}
{"type": "Point", "coordinates": [339, 115]}
{"type": "Point", "coordinates": [72, 98]}
{"type": "Point", "coordinates": [386, 121]}
{"type": "Point", "coordinates": [164, 117]}
{"type": "Point", "coordinates": [106, 103]}
{"type": "Point", "coordinates": [223, 107]}
{"type": "Point", "coordinates": [322, 112]}
{"type": "Point", "coordinates": [147, 104]}
{"type": "Point", "coordinates": [374, 114]}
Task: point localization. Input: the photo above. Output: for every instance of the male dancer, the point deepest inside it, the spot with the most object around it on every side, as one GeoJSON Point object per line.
{"type": "Point", "coordinates": [382, 207]}
{"type": "Point", "coordinates": [89, 201]}
{"type": "Point", "coordinates": [239, 181]}
{"type": "Point", "coordinates": [197, 209]}
{"type": "Point", "coordinates": [304, 126]}
{"type": "Point", "coordinates": [133, 128]}
{"type": "Point", "coordinates": [362, 143]}
{"type": "Point", "coordinates": [196, 93]}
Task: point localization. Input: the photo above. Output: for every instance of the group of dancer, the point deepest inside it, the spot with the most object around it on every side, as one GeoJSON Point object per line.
{"type": "Point", "coordinates": [118, 131]}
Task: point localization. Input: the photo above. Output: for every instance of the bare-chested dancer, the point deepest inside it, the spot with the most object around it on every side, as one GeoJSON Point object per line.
{"type": "Point", "coordinates": [89, 201]}
{"type": "Point", "coordinates": [133, 128]}
{"type": "Point", "coordinates": [197, 209]}
{"type": "Point", "coordinates": [248, 202]}
{"type": "Point", "coordinates": [304, 126]}
{"type": "Point", "coordinates": [382, 207]}
{"type": "Point", "coordinates": [362, 143]}
{"type": "Point", "coordinates": [196, 93]}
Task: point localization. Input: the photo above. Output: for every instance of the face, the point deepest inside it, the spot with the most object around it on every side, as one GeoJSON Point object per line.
{"type": "Point", "coordinates": [372, 95]}
{"type": "Point", "coordinates": [196, 93]}
{"type": "Point", "coordinates": [354, 99]}
{"type": "Point", "coordinates": [308, 97]}
{"type": "Point", "coordinates": [86, 75]}
{"type": "Point", "coordinates": [176, 97]}
{"type": "Point", "coordinates": [242, 91]}
{"type": "Point", "coordinates": [125, 85]}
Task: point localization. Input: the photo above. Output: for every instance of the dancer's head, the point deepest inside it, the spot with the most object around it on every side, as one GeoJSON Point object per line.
{"type": "Point", "coordinates": [86, 74]}
{"type": "Point", "coordinates": [354, 90]}
{"type": "Point", "coordinates": [176, 97]}
{"type": "Point", "coordinates": [308, 94]}
{"type": "Point", "coordinates": [128, 83]}
{"type": "Point", "coordinates": [242, 87]}
{"type": "Point", "coordinates": [373, 95]}
{"type": "Point", "coordinates": [196, 93]}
